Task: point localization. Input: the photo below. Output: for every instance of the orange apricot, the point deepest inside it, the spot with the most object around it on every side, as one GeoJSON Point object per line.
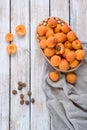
{"type": "Point", "coordinates": [76, 44]}
{"type": "Point", "coordinates": [66, 50]}
{"type": "Point", "coordinates": [64, 65]}
{"type": "Point", "coordinates": [57, 28]}
{"type": "Point", "coordinates": [41, 30]}
{"type": "Point", "coordinates": [68, 45]}
{"type": "Point", "coordinates": [20, 30]}
{"type": "Point", "coordinates": [49, 52]}
{"type": "Point", "coordinates": [74, 63]}
{"type": "Point", "coordinates": [9, 37]}
{"type": "Point", "coordinates": [54, 76]}
{"type": "Point", "coordinates": [49, 33]}
{"type": "Point", "coordinates": [65, 28]}
{"type": "Point", "coordinates": [80, 54]}
{"type": "Point", "coordinates": [55, 60]}
{"type": "Point", "coordinates": [52, 22]}
{"type": "Point", "coordinates": [59, 48]}
{"type": "Point", "coordinates": [70, 56]}
{"type": "Point", "coordinates": [71, 77]}
{"type": "Point", "coordinates": [51, 42]}
{"type": "Point", "coordinates": [71, 36]}
{"type": "Point", "coordinates": [11, 49]}
{"type": "Point", "coordinates": [61, 37]}
{"type": "Point", "coordinates": [43, 44]}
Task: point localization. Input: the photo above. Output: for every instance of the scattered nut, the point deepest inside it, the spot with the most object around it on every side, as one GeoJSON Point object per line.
{"type": "Point", "coordinates": [23, 84]}
{"type": "Point", "coordinates": [14, 92]}
{"type": "Point", "coordinates": [27, 102]}
{"type": "Point", "coordinates": [19, 87]}
{"type": "Point", "coordinates": [33, 100]}
{"type": "Point", "coordinates": [21, 96]}
{"type": "Point", "coordinates": [29, 93]}
{"type": "Point", "coordinates": [19, 82]}
{"type": "Point", "coordinates": [22, 102]}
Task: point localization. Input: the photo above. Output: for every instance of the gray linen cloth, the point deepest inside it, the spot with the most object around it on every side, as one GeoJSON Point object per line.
{"type": "Point", "coordinates": [66, 103]}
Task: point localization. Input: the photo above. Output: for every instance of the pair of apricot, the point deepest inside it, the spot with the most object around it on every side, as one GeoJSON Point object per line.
{"type": "Point", "coordinates": [12, 48]}
{"type": "Point", "coordinates": [70, 77]}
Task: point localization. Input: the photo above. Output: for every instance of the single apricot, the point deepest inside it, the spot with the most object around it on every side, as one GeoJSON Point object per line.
{"type": "Point", "coordinates": [9, 37]}
{"type": "Point", "coordinates": [55, 60]}
{"type": "Point", "coordinates": [59, 48]}
{"type": "Point", "coordinates": [43, 44]}
{"type": "Point", "coordinates": [61, 37]}
{"type": "Point", "coordinates": [57, 28]}
{"type": "Point", "coordinates": [76, 44]}
{"type": "Point", "coordinates": [68, 45]}
{"type": "Point", "coordinates": [11, 49]}
{"type": "Point", "coordinates": [74, 63]}
{"type": "Point", "coordinates": [70, 56]}
{"type": "Point", "coordinates": [71, 77]}
{"type": "Point", "coordinates": [52, 22]}
{"type": "Point", "coordinates": [65, 28]}
{"type": "Point", "coordinates": [49, 33]}
{"type": "Point", "coordinates": [41, 30]}
{"type": "Point", "coordinates": [49, 52]}
{"type": "Point", "coordinates": [20, 30]}
{"type": "Point", "coordinates": [66, 50]}
{"type": "Point", "coordinates": [54, 76]}
{"type": "Point", "coordinates": [64, 65]}
{"type": "Point", "coordinates": [80, 54]}
{"type": "Point", "coordinates": [51, 42]}
{"type": "Point", "coordinates": [71, 36]}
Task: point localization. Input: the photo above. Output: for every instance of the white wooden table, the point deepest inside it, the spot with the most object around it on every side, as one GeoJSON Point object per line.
{"type": "Point", "coordinates": [28, 65]}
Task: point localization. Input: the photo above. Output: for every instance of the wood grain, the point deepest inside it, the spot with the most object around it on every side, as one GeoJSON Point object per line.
{"type": "Point", "coordinates": [39, 115]}
{"type": "Point", "coordinates": [20, 115]}
{"type": "Point", "coordinates": [4, 66]}
{"type": "Point", "coordinates": [79, 18]}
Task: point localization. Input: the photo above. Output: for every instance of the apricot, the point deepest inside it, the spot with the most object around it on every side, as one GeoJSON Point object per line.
{"type": "Point", "coordinates": [76, 44]}
{"type": "Point", "coordinates": [51, 42]}
{"type": "Point", "coordinates": [71, 36]}
{"type": "Point", "coordinates": [54, 76]}
{"type": "Point", "coordinates": [65, 28]}
{"type": "Point", "coordinates": [9, 37]}
{"type": "Point", "coordinates": [68, 45]}
{"type": "Point", "coordinates": [43, 44]}
{"type": "Point", "coordinates": [49, 33]}
{"type": "Point", "coordinates": [57, 28]}
{"type": "Point", "coordinates": [11, 49]}
{"type": "Point", "coordinates": [74, 63]}
{"type": "Point", "coordinates": [64, 65]}
{"type": "Point", "coordinates": [71, 77]}
{"type": "Point", "coordinates": [61, 37]}
{"type": "Point", "coordinates": [52, 22]}
{"type": "Point", "coordinates": [55, 60]}
{"type": "Point", "coordinates": [70, 56]}
{"type": "Point", "coordinates": [80, 54]}
{"type": "Point", "coordinates": [41, 30]}
{"type": "Point", "coordinates": [59, 48]}
{"type": "Point", "coordinates": [49, 52]}
{"type": "Point", "coordinates": [66, 50]}
{"type": "Point", "coordinates": [20, 30]}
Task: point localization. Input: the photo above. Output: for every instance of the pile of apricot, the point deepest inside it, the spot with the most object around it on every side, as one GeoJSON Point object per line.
{"type": "Point", "coordinates": [59, 44]}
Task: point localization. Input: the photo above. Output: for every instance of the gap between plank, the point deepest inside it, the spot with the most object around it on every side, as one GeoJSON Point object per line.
{"type": "Point", "coordinates": [30, 61]}
{"type": "Point", "coordinates": [9, 68]}
{"type": "Point", "coordinates": [49, 7]}
{"type": "Point", "coordinates": [69, 14]}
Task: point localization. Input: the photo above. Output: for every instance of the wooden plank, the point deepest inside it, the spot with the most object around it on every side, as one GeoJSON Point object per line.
{"type": "Point", "coordinates": [4, 66]}
{"type": "Point", "coordinates": [40, 119]}
{"type": "Point", "coordinates": [20, 115]}
{"type": "Point", "coordinates": [60, 8]}
{"type": "Point", "coordinates": [79, 18]}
